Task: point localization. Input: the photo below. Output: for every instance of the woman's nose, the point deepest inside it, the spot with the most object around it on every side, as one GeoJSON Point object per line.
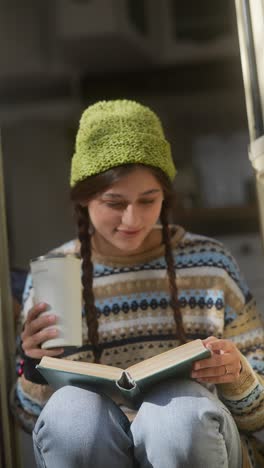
{"type": "Point", "coordinates": [131, 217]}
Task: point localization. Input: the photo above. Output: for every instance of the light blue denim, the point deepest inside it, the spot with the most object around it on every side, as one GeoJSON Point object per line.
{"type": "Point", "coordinates": [179, 424]}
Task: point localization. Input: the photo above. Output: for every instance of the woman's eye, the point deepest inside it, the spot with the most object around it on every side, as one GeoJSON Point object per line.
{"type": "Point", "coordinates": [146, 202]}
{"type": "Point", "coordinates": [124, 205]}
{"type": "Point", "coordinates": [115, 205]}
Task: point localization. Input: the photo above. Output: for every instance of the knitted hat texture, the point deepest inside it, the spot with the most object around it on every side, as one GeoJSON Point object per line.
{"type": "Point", "coordinates": [112, 133]}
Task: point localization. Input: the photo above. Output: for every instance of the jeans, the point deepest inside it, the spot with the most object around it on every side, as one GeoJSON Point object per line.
{"type": "Point", "coordinates": [179, 424]}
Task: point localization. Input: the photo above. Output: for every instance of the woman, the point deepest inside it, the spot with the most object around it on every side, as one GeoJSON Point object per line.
{"type": "Point", "coordinates": [146, 288]}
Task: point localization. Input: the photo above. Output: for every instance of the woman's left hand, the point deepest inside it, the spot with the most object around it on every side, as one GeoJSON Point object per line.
{"type": "Point", "coordinates": [223, 366]}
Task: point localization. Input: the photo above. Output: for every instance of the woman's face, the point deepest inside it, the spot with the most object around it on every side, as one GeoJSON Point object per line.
{"type": "Point", "coordinates": [124, 214]}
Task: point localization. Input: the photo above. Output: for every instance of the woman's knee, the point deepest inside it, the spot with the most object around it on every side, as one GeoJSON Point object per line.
{"type": "Point", "coordinates": [78, 427]}
{"type": "Point", "coordinates": [184, 418]}
{"type": "Point", "coordinates": [177, 388]}
{"type": "Point", "coordinates": [180, 404]}
{"type": "Point", "coordinates": [72, 411]}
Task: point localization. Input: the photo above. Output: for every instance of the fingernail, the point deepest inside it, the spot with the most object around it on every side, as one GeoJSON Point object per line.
{"type": "Point", "coordinates": [52, 318]}
{"type": "Point", "coordinates": [53, 332]}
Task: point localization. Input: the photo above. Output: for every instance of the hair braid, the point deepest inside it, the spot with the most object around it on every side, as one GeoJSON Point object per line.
{"type": "Point", "coordinates": [171, 272]}
{"type": "Point", "coordinates": [87, 278]}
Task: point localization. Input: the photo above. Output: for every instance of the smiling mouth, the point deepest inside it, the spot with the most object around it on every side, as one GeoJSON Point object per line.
{"type": "Point", "coordinates": [129, 233]}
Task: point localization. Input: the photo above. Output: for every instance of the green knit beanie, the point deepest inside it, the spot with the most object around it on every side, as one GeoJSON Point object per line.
{"type": "Point", "coordinates": [113, 133]}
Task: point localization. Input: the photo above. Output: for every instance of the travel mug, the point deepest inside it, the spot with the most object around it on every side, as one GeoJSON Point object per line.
{"type": "Point", "coordinates": [57, 282]}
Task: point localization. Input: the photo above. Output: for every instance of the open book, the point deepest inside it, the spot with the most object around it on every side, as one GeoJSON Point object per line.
{"type": "Point", "coordinates": [123, 385]}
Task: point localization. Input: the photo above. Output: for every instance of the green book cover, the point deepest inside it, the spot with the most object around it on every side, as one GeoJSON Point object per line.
{"type": "Point", "coordinates": [124, 385]}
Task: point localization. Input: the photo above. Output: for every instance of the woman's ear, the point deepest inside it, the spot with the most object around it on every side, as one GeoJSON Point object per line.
{"type": "Point", "coordinates": [91, 229]}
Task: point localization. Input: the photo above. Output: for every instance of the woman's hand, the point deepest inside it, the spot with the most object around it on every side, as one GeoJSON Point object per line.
{"type": "Point", "coordinates": [223, 366]}
{"type": "Point", "coordinates": [36, 332]}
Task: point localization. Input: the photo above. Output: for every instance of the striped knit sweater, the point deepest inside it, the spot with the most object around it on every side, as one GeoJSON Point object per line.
{"type": "Point", "coordinates": [136, 322]}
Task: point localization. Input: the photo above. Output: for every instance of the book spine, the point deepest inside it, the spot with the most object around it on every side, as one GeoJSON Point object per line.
{"type": "Point", "coordinates": [128, 388]}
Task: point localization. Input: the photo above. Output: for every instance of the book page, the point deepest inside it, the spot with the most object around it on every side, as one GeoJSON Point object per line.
{"type": "Point", "coordinates": [84, 368]}
{"type": "Point", "coordinates": [167, 359]}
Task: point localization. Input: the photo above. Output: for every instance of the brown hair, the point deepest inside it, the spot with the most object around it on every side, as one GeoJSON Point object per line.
{"type": "Point", "coordinates": [85, 191]}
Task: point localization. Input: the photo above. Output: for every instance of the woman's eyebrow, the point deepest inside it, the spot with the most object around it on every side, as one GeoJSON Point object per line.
{"type": "Point", "coordinates": [119, 195]}
{"type": "Point", "coordinates": [148, 192]}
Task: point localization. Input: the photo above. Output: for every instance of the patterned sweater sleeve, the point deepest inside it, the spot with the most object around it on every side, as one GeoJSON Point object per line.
{"type": "Point", "coordinates": [244, 326]}
{"type": "Point", "coordinates": [28, 398]}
